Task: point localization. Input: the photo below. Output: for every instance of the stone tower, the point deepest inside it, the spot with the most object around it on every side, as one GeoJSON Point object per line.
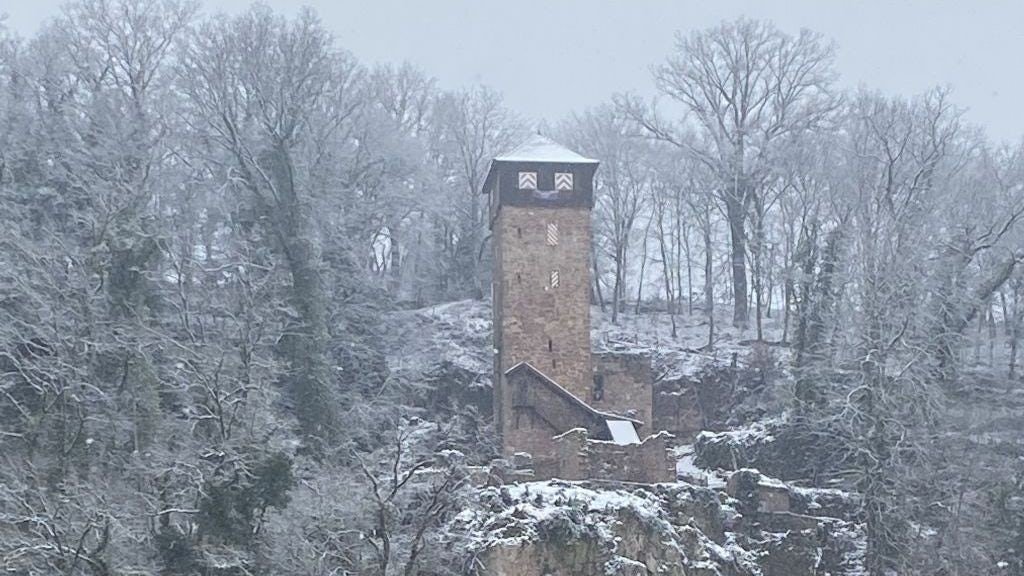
{"type": "Point", "coordinates": [540, 195]}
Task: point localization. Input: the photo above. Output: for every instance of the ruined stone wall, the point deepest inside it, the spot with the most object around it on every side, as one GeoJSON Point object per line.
{"type": "Point", "coordinates": [717, 396]}
{"type": "Point", "coordinates": [530, 434]}
{"type": "Point", "coordinates": [536, 415]}
{"type": "Point", "coordinates": [678, 410]}
{"type": "Point", "coordinates": [627, 386]}
{"type": "Point", "coordinates": [573, 444]}
{"type": "Point", "coordinates": [582, 457]}
{"type": "Point", "coordinates": [571, 451]}
{"type": "Point", "coordinates": [536, 322]}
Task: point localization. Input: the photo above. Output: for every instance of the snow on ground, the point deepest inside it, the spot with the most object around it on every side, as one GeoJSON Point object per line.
{"type": "Point", "coordinates": [756, 433]}
{"type": "Point", "coordinates": [567, 492]}
{"type": "Point", "coordinates": [532, 504]}
{"type": "Point", "coordinates": [687, 470]}
{"type": "Point", "coordinates": [460, 333]}
{"type": "Point", "coordinates": [455, 332]}
{"type": "Point", "coordinates": [532, 512]}
{"type": "Point", "coordinates": [683, 355]}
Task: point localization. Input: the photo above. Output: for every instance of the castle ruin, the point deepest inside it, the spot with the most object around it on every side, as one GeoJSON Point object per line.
{"type": "Point", "coordinates": [579, 415]}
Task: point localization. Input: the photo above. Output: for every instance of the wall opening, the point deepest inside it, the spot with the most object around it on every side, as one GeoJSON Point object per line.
{"type": "Point", "coordinates": [551, 345]}
{"type": "Point", "coordinates": [527, 180]}
{"type": "Point", "coordinates": [597, 392]}
{"type": "Point", "coordinates": [563, 180]}
{"type": "Point", "coordinates": [552, 236]}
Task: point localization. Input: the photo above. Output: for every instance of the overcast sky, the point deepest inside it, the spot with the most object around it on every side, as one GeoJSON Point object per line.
{"type": "Point", "coordinates": [552, 57]}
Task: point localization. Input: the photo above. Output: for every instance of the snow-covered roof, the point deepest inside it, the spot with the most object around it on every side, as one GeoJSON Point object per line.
{"type": "Point", "coordinates": [539, 148]}
{"type": "Point", "coordinates": [623, 432]}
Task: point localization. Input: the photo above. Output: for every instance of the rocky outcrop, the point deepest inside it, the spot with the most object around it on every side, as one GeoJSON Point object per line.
{"type": "Point", "coordinates": [581, 529]}
{"type": "Point", "coordinates": [754, 446]}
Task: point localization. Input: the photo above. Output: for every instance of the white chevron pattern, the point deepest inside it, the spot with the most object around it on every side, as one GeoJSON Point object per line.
{"type": "Point", "coordinates": [527, 180]}
{"type": "Point", "coordinates": [554, 278]}
{"type": "Point", "coordinates": [552, 234]}
{"type": "Point", "coordinates": [563, 181]}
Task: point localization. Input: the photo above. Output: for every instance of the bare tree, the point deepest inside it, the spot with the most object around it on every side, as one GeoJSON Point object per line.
{"type": "Point", "coordinates": [472, 127]}
{"type": "Point", "coordinates": [700, 202]}
{"type": "Point", "coordinates": [621, 187]}
{"type": "Point", "coordinates": [412, 492]}
{"type": "Point", "coordinates": [746, 85]}
{"type": "Point", "coordinates": [277, 96]}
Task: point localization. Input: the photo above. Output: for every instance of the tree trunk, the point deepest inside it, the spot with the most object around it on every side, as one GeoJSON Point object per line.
{"type": "Point", "coordinates": [770, 279]}
{"type": "Point", "coordinates": [680, 234]}
{"type": "Point", "coordinates": [758, 272]}
{"type": "Point", "coordinates": [670, 298]}
{"type": "Point", "coordinates": [306, 348]}
{"type": "Point", "coordinates": [396, 259]}
{"type": "Point", "coordinates": [1013, 321]}
{"type": "Point", "coordinates": [643, 268]}
{"type": "Point", "coordinates": [709, 287]}
{"type": "Point", "coordinates": [689, 271]}
{"type": "Point", "coordinates": [597, 280]}
{"type": "Point", "coordinates": [787, 283]}
{"type": "Point", "coordinates": [991, 335]}
{"type": "Point", "coordinates": [736, 216]}
{"type": "Point", "coordinates": [1006, 312]}
{"type": "Point", "coordinates": [617, 288]}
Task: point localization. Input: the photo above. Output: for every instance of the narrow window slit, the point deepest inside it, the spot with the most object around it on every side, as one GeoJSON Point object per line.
{"type": "Point", "coordinates": [552, 236]}
{"type": "Point", "coordinates": [597, 392]}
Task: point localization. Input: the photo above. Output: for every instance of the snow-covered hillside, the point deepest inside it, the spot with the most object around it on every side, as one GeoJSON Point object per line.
{"type": "Point", "coordinates": [458, 333]}
{"type": "Point", "coordinates": [689, 527]}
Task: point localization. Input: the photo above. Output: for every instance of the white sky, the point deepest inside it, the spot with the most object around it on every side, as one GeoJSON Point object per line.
{"type": "Point", "coordinates": [552, 57]}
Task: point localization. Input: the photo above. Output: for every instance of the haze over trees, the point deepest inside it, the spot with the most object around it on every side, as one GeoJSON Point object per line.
{"type": "Point", "coordinates": [208, 222]}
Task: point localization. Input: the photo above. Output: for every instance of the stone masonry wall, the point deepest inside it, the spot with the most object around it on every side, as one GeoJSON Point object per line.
{"type": "Point", "coordinates": [583, 458]}
{"type": "Point", "coordinates": [678, 410]}
{"type": "Point", "coordinates": [628, 384]}
{"type": "Point", "coordinates": [536, 416]}
{"type": "Point", "coordinates": [547, 326]}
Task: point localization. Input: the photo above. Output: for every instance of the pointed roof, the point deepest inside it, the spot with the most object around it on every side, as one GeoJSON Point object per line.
{"type": "Point", "coordinates": [539, 148]}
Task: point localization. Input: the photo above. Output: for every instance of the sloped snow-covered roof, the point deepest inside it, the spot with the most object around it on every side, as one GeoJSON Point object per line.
{"type": "Point", "coordinates": [539, 148]}
{"type": "Point", "coordinates": [572, 398]}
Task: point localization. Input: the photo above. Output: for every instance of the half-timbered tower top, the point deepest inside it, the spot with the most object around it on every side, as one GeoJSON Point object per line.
{"type": "Point", "coordinates": [542, 173]}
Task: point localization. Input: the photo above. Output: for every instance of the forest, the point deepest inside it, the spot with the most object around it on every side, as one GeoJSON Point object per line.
{"type": "Point", "coordinates": [213, 225]}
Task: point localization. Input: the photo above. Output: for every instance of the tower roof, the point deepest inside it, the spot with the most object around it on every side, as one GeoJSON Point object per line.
{"type": "Point", "coordinates": [539, 148]}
